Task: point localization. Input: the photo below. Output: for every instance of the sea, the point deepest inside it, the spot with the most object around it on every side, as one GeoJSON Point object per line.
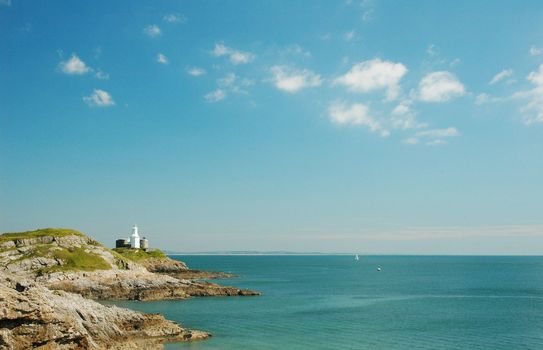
{"type": "Point", "coordinates": [336, 302]}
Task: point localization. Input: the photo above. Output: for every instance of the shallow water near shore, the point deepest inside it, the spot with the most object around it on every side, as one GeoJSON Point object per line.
{"type": "Point", "coordinates": [335, 302]}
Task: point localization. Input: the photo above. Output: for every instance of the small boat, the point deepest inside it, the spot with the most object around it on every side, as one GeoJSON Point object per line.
{"type": "Point", "coordinates": [378, 269]}
{"type": "Point", "coordinates": [356, 257]}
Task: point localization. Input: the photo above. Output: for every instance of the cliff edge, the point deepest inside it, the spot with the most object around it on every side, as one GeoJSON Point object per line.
{"type": "Point", "coordinates": [49, 276]}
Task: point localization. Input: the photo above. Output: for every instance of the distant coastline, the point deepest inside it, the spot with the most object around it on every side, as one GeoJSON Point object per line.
{"type": "Point", "coordinates": [274, 253]}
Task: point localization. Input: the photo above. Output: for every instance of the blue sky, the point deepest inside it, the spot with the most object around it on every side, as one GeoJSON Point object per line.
{"type": "Point", "coordinates": [335, 126]}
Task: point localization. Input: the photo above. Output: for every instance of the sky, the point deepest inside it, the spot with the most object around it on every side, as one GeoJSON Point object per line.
{"type": "Point", "coordinates": [376, 127]}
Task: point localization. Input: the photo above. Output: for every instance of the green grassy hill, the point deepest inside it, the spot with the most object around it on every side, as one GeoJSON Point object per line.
{"type": "Point", "coordinates": [44, 232]}
{"type": "Point", "coordinates": [138, 255]}
{"type": "Point", "coordinates": [55, 249]}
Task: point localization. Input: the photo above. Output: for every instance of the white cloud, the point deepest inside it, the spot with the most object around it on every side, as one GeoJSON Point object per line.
{"type": "Point", "coordinates": [99, 98]}
{"type": "Point", "coordinates": [233, 83]}
{"type": "Point", "coordinates": [296, 50]}
{"type": "Point", "coordinates": [486, 98]}
{"type": "Point", "coordinates": [506, 73]}
{"type": "Point", "coordinates": [536, 51]}
{"type": "Point", "coordinates": [293, 80]}
{"type": "Point", "coordinates": [432, 50]}
{"type": "Point", "coordinates": [434, 137]}
{"type": "Point", "coordinates": [235, 56]}
{"type": "Point", "coordinates": [436, 142]}
{"type": "Point", "coordinates": [348, 36]}
{"type": "Point", "coordinates": [215, 96]}
{"type": "Point", "coordinates": [174, 18]}
{"type": "Point", "coordinates": [483, 98]}
{"type": "Point", "coordinates": [374, 75]}
{"type": "Point", "coordinates": [411, 141]}
{"type": "Point", "coordinates": [161, 58]}
{"type": "Point", "coordinates": [533, 110]}
{"type": "Point", "coordinates": [195, 71]}
{"type": "Point", "coordinates": [152, 31]}
{"type": "Point", "coordinates": [404, 117]}
{"type": "Point", "coordinates": [440, 87]}
{"type": "Point", "coordinates": [455, 62]}
{"type": "Point", "coordinates": [101, 75]}
{"type": "Point", "coordinates": [368, 15]}
{"type": "Point", "coordinates": [354, 114]}
{"type": "Point", "coordinates": [74, 66]}
{"type": "Point", "coordinates": [537, 76]}
{"type": "Point", "coordinates": [227, 80]}
{"type": "Point", "coordinates": [438, 133]}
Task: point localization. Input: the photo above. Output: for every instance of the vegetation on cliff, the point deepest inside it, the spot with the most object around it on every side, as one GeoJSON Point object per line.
{"type": "Point", "coordinates": [54, 250]}
{"type": "Point", "coordinates": [42, 232]}
{"type": "Point", "coordinates": [68, 260]}
{"type": "Point", "coordinates": [140, 254]}
{"type": "Point", "coordinates": [47, 277]}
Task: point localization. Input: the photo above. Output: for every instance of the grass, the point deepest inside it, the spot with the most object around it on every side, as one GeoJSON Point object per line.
{"type": "Point", "coordinates": [76, 259]}
{"type": "Point", "coordinates": [54, 232]}
{"type": "Point", "coordinates": [139, 254]}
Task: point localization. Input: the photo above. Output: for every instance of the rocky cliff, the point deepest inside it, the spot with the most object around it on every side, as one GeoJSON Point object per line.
{"type": "Point", "coordinates": [32, 316]}
{"type": "Point", "coordinates": [63, 259]}
{"type": "Point", "coordinates": [47, 275]}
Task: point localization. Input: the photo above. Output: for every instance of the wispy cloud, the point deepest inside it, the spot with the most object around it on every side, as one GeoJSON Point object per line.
{"type": "Point", "coordinates": [354, 114]}
{"type": "Point", "coordinates": [349, 36]}
{"type": "Point", "coordinates": [74, 65]}
{"type": "Point", "coordinates": [432, 50]}
{"type": "Point", "coordinates": [440, 86]}
{"type": "Point", "coordinates": [161, 58]}
{"type": "Point", "coordinates": [292, 80]}
{"type": "Point", "coordinates": [152, 31]}
{"type": "Point", "coordinates": [533, 109]}
{"type": "Point", "coordinates": [99, 98]}
{"type": "Point", "coordinates": [438, 232]}
{"type": "Point", "coordinates": [101, 75]}
{"type": "Point", "coordinates": [233, 83]}
{"type": "Point", "coordinates": [195, 71]}
{"type": "Point", "coordinates": [506, 73]}
{"type": "Point", "coordinates": [404, 117]}
{"type": "Point", "coordinates": [235, 56]}
{"type": "Point", "coordinates": [447, 132]}
{"type": "Point", "coordinates": [296, 49]}
{"type": "Point", "coordinates": [433, 137]}
{"type": "Point", "coordinates": [374, 75]}
{"type": "Point", "coordinates": [483, 98]}
{"type": "Point", "coordinates": [215, 96]}
{"type": "Point", "coordinates": [411, 141]}
{"type": "Point", "coordinates": [536, 51]}
{"type": "Point", "coordinates": [174, 18]}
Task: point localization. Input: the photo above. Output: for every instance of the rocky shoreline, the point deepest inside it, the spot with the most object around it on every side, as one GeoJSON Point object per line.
{"type": "Point", "coordinates": [138, 285]}
{"type": "Point", "coordinates": [33, 316]}
{"type": "Point", "coordinates": [49, 283]}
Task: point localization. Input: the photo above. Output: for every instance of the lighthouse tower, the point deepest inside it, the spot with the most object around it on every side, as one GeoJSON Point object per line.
{"type": "Point", "coordinates": [135, 238]}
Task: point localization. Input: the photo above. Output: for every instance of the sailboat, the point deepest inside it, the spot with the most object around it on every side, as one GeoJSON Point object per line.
{"type": "Point", "coordinates": [356, 257]}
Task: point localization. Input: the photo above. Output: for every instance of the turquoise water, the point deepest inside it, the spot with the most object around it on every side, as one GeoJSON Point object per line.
{"type": "Point", "coordinates": [334, 302]}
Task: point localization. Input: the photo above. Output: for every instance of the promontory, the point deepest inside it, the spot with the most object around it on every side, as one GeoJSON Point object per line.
{"type": "Point", "coordinates": [50, 279]}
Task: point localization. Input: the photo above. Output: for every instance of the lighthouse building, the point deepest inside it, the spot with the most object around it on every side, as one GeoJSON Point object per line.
{"type": "Point", "coordinates": [134, 242]}
{"type": "Point", "coordinates": [135, 238]}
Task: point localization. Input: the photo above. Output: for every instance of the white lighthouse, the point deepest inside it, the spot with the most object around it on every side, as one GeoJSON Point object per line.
{"type": "Point", "coordinates": [135, 238]}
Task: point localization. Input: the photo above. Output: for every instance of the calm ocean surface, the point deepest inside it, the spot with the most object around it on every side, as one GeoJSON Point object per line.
{"type": "Point", "coordinates": [335, 302]}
